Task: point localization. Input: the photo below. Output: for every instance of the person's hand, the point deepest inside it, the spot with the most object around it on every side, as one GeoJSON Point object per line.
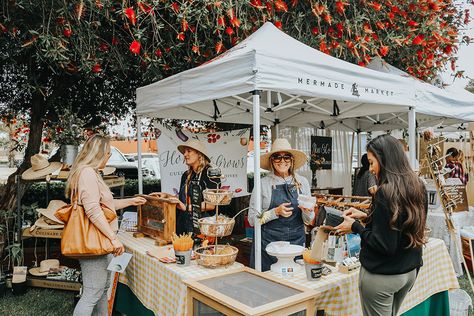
{"type": "Point", "coordinates": [284, 210]}
{"type": "Point", "coordinates": [118, 247]}
{"type": "Point", "coordinates": [355, 213]}
{"type": "Point", "coordinates": [305, 209]}
{"type": "Point", "coordinates": [346, 226]}
{"type": "Point", "coordinates": [138, 200]}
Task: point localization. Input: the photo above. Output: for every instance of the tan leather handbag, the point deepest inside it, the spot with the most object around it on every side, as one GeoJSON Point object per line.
{"type": "Point", "coordinates": [80, 237]}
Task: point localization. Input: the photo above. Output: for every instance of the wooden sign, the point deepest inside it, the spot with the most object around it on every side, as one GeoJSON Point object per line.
{"type": "Point", "coordinates": [321, 153]}
{"type": "Point", "coordinates": [457, 193]}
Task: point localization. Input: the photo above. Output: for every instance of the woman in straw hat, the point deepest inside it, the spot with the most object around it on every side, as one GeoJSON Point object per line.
{"type": "Point", "coordinates": [85, 184]}
{"type": "Point", "coordinates": [281, 217]}
{"type": "Point", "coordinates": [194, 181]}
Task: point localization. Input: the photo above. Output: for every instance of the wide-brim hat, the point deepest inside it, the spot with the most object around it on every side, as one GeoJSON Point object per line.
{"type": "Point", "coordinates": [196, 145]}
{"type": "Point", "coordinates": [49, 212]}
{"type": "Point", "coordinates": [40, 168]}
{"type": "Point", "coordinates": [282, 145]}
{"type": "Point", "coordinates": [44, 267]}
{"type": "Point", "coordinates": [107, 170]}
{"type": "Point", "coordinates": [43, 224]}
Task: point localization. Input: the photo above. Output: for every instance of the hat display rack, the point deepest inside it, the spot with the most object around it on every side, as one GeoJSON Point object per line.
{"type": "Point", "coordinates": [435, 159]}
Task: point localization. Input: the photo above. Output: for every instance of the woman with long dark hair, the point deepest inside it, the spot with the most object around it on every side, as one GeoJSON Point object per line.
{"type": "Point", "coordinates": [393, 235]}
{"type": "Point", "coordinates": [364, 182]}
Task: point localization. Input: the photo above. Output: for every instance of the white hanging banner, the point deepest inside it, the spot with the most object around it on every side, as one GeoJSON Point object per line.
{"type": "Point", "coordinates": [227, 150]}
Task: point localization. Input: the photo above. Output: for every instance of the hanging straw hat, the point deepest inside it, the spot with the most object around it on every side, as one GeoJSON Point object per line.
{"type": "Point", "coordinates": [48, 212]}
{"type": "Point", "coordinates": [196, 145]}
{"type": "Point", "coordinates": [44, 267]}
{"type": "Point", "coordinates": [282, 145]}
{"type": "Point", "coordinates": [40, 168]}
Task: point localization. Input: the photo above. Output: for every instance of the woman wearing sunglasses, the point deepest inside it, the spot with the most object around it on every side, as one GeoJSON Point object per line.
{"type": "Point", "coordinates": [281, 217]}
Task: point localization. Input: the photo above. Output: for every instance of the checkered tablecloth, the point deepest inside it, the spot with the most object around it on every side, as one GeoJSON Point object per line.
{"type": "Point", "coordinates": [157, 285]}
{"type": "Point", "coordinates": [160, 288]}
{"type": "Point", "coordinates": [339, 293]}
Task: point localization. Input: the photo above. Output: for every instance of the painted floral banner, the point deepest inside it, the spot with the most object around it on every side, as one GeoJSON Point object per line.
{"type": "Point", "coordinates": [227, 150]}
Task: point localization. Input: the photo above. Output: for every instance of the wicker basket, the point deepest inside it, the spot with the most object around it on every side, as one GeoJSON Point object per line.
{"type": "Point", "coordinates": [217, 196]}
{"type": "Point", "coordinates": [209, 260]}
{"type": "Point", "coordinates": [209, 227]}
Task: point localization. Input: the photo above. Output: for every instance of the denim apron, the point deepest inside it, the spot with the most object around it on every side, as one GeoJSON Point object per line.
{"type": "Point", "coordinates": [283, 228]}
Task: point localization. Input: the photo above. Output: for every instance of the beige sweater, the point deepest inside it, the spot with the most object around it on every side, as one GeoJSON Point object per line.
{"type": "Point", "coordinates": [92, 192]}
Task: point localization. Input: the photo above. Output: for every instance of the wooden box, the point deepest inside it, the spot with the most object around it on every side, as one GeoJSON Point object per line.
{"type": "Point", "coordinates": [157, 217]}
{"type": "Point", "coordinates": [245, 291]}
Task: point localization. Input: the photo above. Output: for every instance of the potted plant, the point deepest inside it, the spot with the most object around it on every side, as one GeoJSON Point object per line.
{"type": "Point", "coordinates": [67, 132]}
{"type": "Point", "coordinates": [15, 257]}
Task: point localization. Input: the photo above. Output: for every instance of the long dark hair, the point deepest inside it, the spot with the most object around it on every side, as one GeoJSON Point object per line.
{"type": "Point", "coordinates": [364, 166]}
{"type": "Point", "coordinates": [402, 188]}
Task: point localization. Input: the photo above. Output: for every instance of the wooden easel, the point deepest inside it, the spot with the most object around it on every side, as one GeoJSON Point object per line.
{"type": "Point", "coordinates": [435, 159]}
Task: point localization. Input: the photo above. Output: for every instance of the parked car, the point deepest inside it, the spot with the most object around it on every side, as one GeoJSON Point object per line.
{"type": "Point", "coordinates": [127, 168]}
{"type": "Point", "coordinates": [150, 161]}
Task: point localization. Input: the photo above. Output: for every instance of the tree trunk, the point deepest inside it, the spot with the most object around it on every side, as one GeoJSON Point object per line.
{"type": "Point", "coordinates": [10, 194]}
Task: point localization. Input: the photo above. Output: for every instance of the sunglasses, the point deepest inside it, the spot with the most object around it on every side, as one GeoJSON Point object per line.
{"type": "Point", "coordinates": [278, 158]}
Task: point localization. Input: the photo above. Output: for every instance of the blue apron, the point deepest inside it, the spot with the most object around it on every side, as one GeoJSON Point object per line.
{"type": "Point", "coordinates": [283, 228]}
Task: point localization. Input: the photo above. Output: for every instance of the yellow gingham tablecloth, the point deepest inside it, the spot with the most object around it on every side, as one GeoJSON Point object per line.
{"type": "Point", "coordinates": [339, 293]}
{"type": "Point", "coordinates": [157, 285]}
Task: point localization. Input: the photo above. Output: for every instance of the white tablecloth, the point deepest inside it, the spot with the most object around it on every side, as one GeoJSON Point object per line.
{"type": "Point", "coordinates": [436, 222]}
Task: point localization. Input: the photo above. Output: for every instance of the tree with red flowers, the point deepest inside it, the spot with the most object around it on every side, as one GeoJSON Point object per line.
{"type": "Point", "coordinates": [61, 49]}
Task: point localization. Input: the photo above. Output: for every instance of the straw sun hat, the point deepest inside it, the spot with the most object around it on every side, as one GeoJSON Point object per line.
{"type": "Point", "coordinates": [282, 145]}
{"type": "Point", "coordinates": [196, 145]}
{"type": "Point", "coordinates": [44, 267]}
{"type": "Point", "coordinates": [48, 212]}
{"type": "Point", "coordinates": [40, 167]}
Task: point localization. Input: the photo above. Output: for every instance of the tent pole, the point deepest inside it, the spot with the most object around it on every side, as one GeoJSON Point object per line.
{"type": "Point", "coordinates": [359, 148]}
{"type": "Point", "coordinates": [139, 152]}
{"type": "Point", "coordinates": [256, 179]}
{"type": "Point", "coordinates": [412, 136]}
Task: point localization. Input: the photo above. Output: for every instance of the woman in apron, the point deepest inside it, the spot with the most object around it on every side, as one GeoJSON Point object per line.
{"type": "Point", "coordinates": [281, 217]}
{"type": "Point", "coordinates": [194, 181]}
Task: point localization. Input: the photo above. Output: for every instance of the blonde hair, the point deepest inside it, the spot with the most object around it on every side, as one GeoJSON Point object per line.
{"type": "Point", "coordinates": [92, 155]}
{"type": "Point", "coordinates": [203, 163]}
{"type": "Point", "coordinates": [291, 171]}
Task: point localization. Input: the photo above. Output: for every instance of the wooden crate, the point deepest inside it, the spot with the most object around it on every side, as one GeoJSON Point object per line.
{"type": "Point", "coordinates": [157, 217]}
{"type": "Point", "coordinates": [227, 292]}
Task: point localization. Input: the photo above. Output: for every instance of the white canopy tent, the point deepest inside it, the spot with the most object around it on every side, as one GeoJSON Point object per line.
{"type": "Point", "coordinates": [271, 78]}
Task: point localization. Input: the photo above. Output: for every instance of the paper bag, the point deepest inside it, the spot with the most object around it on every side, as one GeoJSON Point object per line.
{"type": "Point", "coordinates": [317, 248]}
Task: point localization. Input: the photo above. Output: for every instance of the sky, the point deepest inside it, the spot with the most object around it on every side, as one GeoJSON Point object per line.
{"type": "Point", "coordinates": [465, 55]}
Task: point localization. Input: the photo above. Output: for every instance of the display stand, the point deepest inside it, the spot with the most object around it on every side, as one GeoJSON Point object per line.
{"type": "Point", "coordinates": [435, 159]}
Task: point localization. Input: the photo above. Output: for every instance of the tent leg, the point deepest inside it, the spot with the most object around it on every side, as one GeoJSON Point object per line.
{"type": "Point", "coordinates": [412, 136]}
{"type": "Point", "coordinates": [256, 178]}
{"type": "Point", "coordinates": [359, 149]}
{"type": "Point", "coordinates": [139, 152]}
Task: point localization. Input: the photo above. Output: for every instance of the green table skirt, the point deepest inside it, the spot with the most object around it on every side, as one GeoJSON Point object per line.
{"type": "Point", "coordinates": [127, 303]}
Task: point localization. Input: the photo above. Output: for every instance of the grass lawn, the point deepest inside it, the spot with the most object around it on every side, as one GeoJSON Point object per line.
{"type": "Point", "coordinates": [39, 302]}
{"type": "Point", "coordinates": [45, 302]}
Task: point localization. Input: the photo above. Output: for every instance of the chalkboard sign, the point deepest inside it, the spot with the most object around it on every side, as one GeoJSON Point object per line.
{"type": "Point", "coordinates": [321, 153]}
{"type": "Point", "coordinates": [458, 194]}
